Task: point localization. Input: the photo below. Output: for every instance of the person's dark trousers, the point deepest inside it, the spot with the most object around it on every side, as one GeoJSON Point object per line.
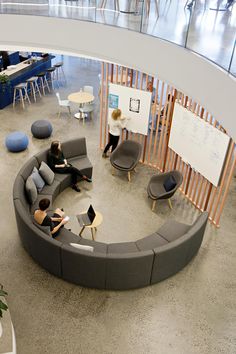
{"type": "Point", "coordinates": [72, 170]}
{"type": "Point", "coordinates": [113, 142]}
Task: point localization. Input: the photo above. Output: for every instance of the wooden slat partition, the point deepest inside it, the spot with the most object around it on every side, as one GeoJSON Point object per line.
{"type": "Point", "coordinates": [156, 152]}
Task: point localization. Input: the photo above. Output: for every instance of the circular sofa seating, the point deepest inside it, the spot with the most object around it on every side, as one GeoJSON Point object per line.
{"type": "Point", "coordinates": [114, 266]}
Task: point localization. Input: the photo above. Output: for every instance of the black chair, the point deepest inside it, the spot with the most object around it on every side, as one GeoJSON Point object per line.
{"type": "Point", "coordinates": [164, 186]}
{"type": "Point", "coordinates": [126, 156]}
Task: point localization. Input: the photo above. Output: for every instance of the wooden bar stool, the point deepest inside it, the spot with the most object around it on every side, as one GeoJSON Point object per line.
{"type": "Point", "coordinates": [52, 79]}
{"type": "Point", "coordinates": [43, 82]}
{"type": "Point", "coordinates": [20, 94]}
{"type": "Point", "coordinates": [33, 87]}
{"type": "Point", "coordinates": [60, 75]}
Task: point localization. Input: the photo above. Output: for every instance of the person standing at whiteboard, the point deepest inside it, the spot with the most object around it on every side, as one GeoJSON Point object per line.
{"type": "Point", "coordinates": [116, 124]}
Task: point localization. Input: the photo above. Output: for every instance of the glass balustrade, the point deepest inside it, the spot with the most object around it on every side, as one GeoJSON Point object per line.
{"type": "Point", "coordinates": [207, 27]}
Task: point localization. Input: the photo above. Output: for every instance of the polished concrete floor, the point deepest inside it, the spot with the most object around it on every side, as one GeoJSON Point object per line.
{"type": "Point", "coordinates": [204, 28]}
{"type": "Point", "coordinates": [194, 312]}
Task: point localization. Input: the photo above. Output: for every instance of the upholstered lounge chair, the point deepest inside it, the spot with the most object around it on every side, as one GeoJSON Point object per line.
{"type": "Point", "coordinates": [126, 156]}
{"type": "Point", "coordinates": [157, 187]}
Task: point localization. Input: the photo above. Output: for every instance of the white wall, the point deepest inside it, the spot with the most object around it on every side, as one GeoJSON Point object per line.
{"type": "Point", "coordinates": [206, 83]}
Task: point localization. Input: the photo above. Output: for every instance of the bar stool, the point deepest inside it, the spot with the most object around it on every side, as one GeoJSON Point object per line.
{"type": "Point", "coordinates": [60, 75]}
{"type": "Point", "coordinates": [51, 72]}
{"type": "Point", "coordinates": [43, 82]}
{"type": "Point", "coordinates": [33, 88]}
{"type": "Point", "coordinates": [20, 93]}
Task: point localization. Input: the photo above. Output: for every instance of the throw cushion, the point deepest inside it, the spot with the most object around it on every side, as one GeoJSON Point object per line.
{"type": "Point", "coordinates": [31, 190]}
{"type": "Point", "coordinates": [169, 183]}
{"type": "Point", "coordinates": [39, 182]}
{"type": "Point", "coordinates": [82, 247]}
{"type": "Point", "coordinates": [46, 172]}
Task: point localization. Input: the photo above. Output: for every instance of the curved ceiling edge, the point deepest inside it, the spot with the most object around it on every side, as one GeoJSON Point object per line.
{"type": "Point", "coordinates": [209, 85]}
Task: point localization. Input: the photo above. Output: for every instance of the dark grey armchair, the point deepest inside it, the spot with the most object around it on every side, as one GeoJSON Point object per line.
{"type": "Point", "coordinates": [126, 156]}
{"type": "Point", "coordinates": [157, 186]}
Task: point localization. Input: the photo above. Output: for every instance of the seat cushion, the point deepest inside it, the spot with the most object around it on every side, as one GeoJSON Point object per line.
{"type": "Point", "coordinates": [83, 164]}
{"type": "Point", "coordinates": [122, 247]}
{"type": "Point", "coordinates": [66, 237]}
{"type": "Point", "coordinates": [150, 242]}
{"type": "Point", "coordinates": [156, 189]}
{"type": "Point", "coordinates": [169, 183]}
{"type": "Point", "coordinates": [99, 247]}
{"type": "Point", "coordinates": [126, 162]}
{"type": "Point", "coordinates": [64, 179]}
{"type": "Point", "coordinates": [53, 189]}
{"type": "Point", "coordinates": [172, 230]}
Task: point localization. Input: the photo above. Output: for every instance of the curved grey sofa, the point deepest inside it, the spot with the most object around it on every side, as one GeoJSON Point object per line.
{"type": "Point", "coordinates": [114, 266]}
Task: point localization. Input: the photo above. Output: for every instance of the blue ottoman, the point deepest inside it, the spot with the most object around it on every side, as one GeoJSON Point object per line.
{"type": "Point", "coordinates": [17, 141]}
{"type": "Point", "coordinates": [41, 129]}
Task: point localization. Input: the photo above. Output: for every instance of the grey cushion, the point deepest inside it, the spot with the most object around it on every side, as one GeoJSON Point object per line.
{"type": "Point", "coordinates": [46, 172]}
{"type": "Point", "coordinates": [126, 156]}
{"type": "Point", "coordinates": [172, 230]}
{"type": "Point", "coordinates": [31, 190]}
{"type": "Point", "coordinates": [38, 180]}
{"type": "Point", "coordinates": [52, 190]}
{"type": "Point", "coordinates": [122, 247]}
{"type": "Point", "coordinates": [65, 236]}
{"type": "Point", "coordinates": [64, 179]}
{"type": "Point", "coordinates": [124, 162]}
{"type": "Point", "coordinates": [156, 190]}
{"type": "Point", "coordinates": [83, 164]}
{"type": "Point", "coordinates": [150, 242]}
{"type": "Point", "coordinates": [35, 205]}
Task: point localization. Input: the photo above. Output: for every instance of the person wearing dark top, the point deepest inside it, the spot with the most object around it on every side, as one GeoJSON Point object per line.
{"type": "Point", "coordinates": [59, 164]}
{"type": "Point", "coordinates": [5, 59]}
{"type": "Point", "coordinates": [55, 222]}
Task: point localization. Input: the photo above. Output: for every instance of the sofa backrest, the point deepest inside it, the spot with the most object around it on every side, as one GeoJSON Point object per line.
{"type": "Point", "coordinates": [74, 148]}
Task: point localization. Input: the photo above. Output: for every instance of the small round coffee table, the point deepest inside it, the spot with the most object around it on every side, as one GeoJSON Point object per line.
{"type": "Point", "coordinates": [93, 227]}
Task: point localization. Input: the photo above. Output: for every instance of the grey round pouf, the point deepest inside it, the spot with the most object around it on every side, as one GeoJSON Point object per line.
{"type": "Point", "coordinates": [41, 129]}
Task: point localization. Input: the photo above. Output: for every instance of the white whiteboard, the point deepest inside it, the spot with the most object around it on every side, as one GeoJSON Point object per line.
{"type": "Point", "coordinates": [199, 144]}
{"type": "Point", "coordinates": [134, 104]}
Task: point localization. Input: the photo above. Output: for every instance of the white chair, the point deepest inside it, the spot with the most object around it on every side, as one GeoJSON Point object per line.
{"type": "Point", "coordinates": [87, 108]}
{"type": "Point", "coordinates": [88, 89]}
{"type": "Point", "coordinates": [63, 103]}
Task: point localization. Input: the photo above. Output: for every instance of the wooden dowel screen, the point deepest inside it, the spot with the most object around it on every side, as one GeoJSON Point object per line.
{"type": "Point", "coordinates": [156, 152]}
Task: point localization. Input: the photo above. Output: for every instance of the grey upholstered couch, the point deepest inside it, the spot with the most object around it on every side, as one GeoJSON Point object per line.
{"type": "Point", "coordinates": [110, 266]}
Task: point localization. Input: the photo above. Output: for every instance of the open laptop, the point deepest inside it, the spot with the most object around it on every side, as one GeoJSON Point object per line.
{"type": "Point", "coordinates": [87, 218]}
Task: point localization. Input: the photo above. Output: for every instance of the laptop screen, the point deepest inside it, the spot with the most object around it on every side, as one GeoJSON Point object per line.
{"type": "Point", "coordinates": [91, 213]}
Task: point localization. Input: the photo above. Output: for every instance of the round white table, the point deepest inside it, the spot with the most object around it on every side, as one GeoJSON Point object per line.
{"type": "Point", "coordinates": [81, 98]}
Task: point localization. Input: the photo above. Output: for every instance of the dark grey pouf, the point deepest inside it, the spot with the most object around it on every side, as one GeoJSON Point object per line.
{"type": "Point", "coordinates": [41, 129]}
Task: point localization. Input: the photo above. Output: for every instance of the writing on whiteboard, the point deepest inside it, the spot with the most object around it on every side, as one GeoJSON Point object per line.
{"type": "Point", "coordinates": [198, 143]}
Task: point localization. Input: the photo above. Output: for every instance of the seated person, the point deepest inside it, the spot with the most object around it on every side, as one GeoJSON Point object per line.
{"type": "Point", "coordinates": [55, 222]}
{"type": "Point", "coordinates": [59, 164]}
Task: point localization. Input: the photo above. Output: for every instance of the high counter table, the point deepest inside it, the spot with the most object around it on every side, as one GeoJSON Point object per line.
{"type": "Point", "coordinates": [21, 73]}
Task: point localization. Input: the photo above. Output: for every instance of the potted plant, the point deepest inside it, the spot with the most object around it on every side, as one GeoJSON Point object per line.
{"type": "Point", "coordinates": [4, 82]}
{"type": "Point", "coordinates": [3, 306]}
